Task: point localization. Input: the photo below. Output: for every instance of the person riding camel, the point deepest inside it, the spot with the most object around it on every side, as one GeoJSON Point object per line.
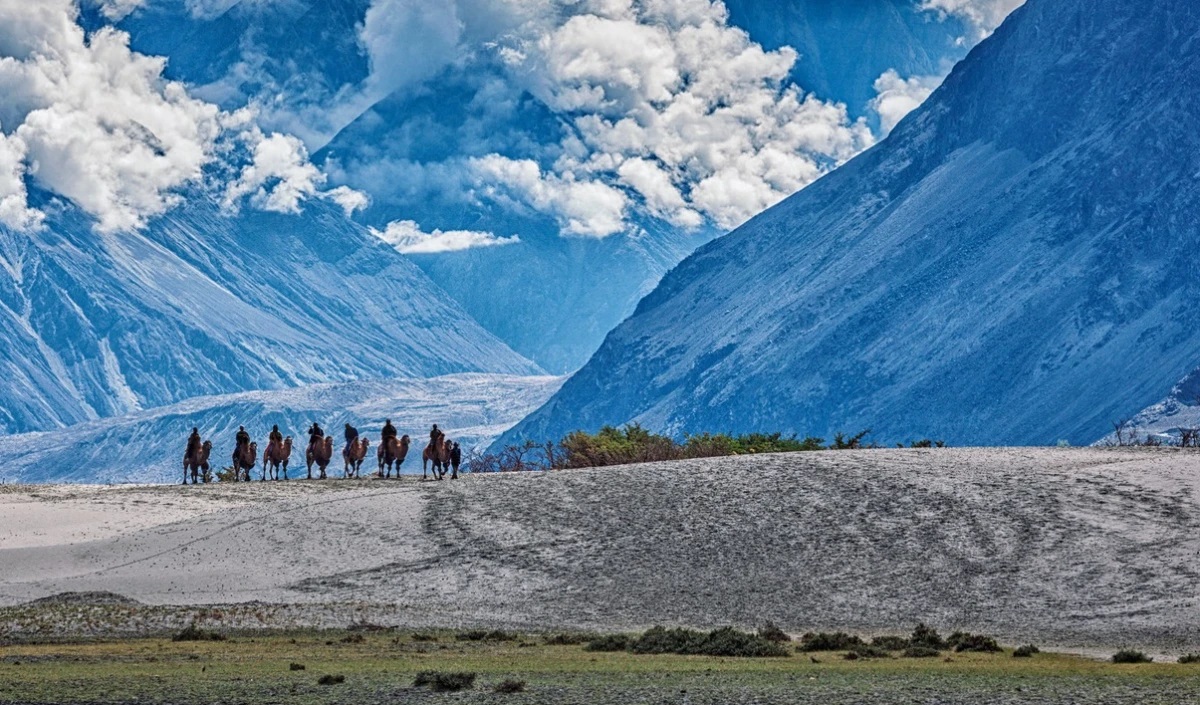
{"type": "Point", "coordinates": [315, 435]}
{"type": "Point", "coordinates": [351, 436]}
{"type": "Point", "coordinates": [274, 439]}
{"type": "Point", "coordinates": [243, 439]}
{"type": "Point", "coordinates": [434, 436]}
{"type": "Point", "coordinates": [389, 431]}
{"type": "Point", "coordinates": [193, 443]}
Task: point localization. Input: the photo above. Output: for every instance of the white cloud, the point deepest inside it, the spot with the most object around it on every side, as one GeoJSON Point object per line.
{"type": "Point", "coordinates": [588, 208]}
{"type": "Point", "coordinates": [350, 200]}
{"type": "Point", "coordinates": [672, 111]}
{"type": "Point", "coordinates": [14, 210]}
{"type": "Point", "coordinates": [896, 97]}
{"type": "Point", "coordinates": [407, 237]}
{"type": "Point", "coordinates": [984, 15]}
{"type": "Point", "coordinates": [116, 10]}
{"type": "Point", "coordinates": [95, 122]}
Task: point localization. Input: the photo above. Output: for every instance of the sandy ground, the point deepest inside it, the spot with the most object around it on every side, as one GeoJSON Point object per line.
{"type": "Point", "coordinates": [1075, 548]}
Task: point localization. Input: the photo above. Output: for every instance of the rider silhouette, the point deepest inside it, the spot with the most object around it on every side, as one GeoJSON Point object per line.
{"type": "Point", "coordinates": [351, 435]}
{"type": "Point", "coordinates": [434, 435]}
{"type": "Point", "coordinates": [389, 431]}
{"type": "Point", "coordinates": [243, 439]}
{"type": "Point", "coordinates": [194, 442]}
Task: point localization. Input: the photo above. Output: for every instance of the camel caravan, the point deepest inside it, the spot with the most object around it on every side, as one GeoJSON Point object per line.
{"type": "Point", "coordinates": [441, 455]}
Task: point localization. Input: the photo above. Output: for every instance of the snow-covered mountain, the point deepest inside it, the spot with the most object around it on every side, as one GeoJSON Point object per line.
{"type": "Point", "coordinates": [147, 446]}
{"type": "Point", "coordinates": [1011, 266]}
{"type": "Point", "coordinates": [305, 64]}
{"type": "Point", "coordinates": [1165, 421]}
{"type": "Point", "coordinates": [97, 325]}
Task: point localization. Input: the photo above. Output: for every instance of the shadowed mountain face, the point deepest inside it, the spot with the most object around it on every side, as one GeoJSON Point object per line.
{"type": "Point", "coordinates": [1011, 266]}
{"type": "Point", "coordinates": [96, 325]}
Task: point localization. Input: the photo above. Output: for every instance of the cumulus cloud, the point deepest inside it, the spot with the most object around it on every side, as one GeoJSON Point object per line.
{"type": "Point", "coordinates": [14, 210]}
{"type": "Point", "coordinates": [672, 111]}
{"type": "Point", "coordinates": [408, 237]}
{"type": "Point", "coordinates": [896, 96]}
{"type": "Point", "coordinates": [96, 122]}
{"type": "Point", "coordinates": [984, 15]}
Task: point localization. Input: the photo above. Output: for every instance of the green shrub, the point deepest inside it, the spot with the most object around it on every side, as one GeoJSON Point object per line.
{"type": "Point", "coordinates": [1190, 658]}
{"type": "Point", "coordinates": [295, 667]}
{"type": "Point", "coordinates": [891, 643]}
{"type": "Point", "coordinates": [824, 641]}
{"type": "Point", "coordinates": [972, 643]}
{"type": "Point", "coordinates": [728, 641]}
{"type": "Point", "coordinates": [660, 640]}
{"type": "Point", "coordinates": [569, 639]}
{"type": "Point", "coordinates": [331, 680]}
{"type": "Point", "coordinates": [869, 651]}
{"type": "Point", "coordinates": [444, 681]}
{"type": "Point", "coordinates": [609, 642]}
{"type": "Point", "coordinates": [510, 686]}
{"type": "Point", "coordinates": [194, 633]}
{"type": "Point", "coordinates": [916, 651]}
{"type": "Point", "coordinates": [927, 637]}
{"type": "Point", "coordinates": [1025, 651]}
{"type": "Point", "coordinates": [1130, 656]}
{"type": "Point", "coordinates": [423, 636]}
{"type": "Point", "coordinates": [770, 632]}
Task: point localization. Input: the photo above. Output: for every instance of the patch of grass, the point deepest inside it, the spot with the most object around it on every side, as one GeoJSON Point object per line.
{"type": "Point", "coordinates": [445, 681]}
{"type": "Point", "coordinates": [195, 633]}
{"type": "Point", "coordinates": [331, 679]}
{"type": "Point", "coordinates": [609, 642]}
{"type": "Point", "coordinates": [485, 635]}
{"type": "Point", "coordinates": [916, 651]}
{"type": "Point", "coordinates": [510, 686]}
{"type": "Point", "coordinates": [353, 639]}
{"type": "Point", "coordinates": [1130, 656]}
{"type": "Point", "coordinates": [422, 636]}
{"type": "Point", "coordinates": [1026, 651]}
{"type": "Point", "coordinates": [295, 666]}
{"type": "Point", "coordinates": [828, 641]}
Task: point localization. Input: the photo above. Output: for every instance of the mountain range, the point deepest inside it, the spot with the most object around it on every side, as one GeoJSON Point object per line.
{"type": "Point", "coordinates": [200, 303]}
{"type": "Point", "coordinates": [1009, 267]}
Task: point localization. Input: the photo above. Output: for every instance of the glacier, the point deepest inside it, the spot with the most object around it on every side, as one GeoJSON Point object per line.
{"type": "Point", "coordinates": [1011, 266]}
{"type": "Point", "coordinates": [147, 446]}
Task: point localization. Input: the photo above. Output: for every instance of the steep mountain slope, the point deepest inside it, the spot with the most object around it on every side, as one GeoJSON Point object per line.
{"type": "Point", "coordinates": [97, 325]}
{"type": "Point", "coordinates": [1009, 267]}
{"type": "Point", "coordinates": [146, 446]}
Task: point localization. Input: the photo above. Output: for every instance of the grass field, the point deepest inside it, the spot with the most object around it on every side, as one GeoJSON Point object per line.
{"type": "Point", "coordinates": [379, 667]}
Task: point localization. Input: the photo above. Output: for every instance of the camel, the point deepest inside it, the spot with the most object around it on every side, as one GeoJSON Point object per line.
{"type": "Point", "coordinates": [275, 456]}
{"type": "Point", "coordinates": [319, 454]}
{"type": "Point", "coordinates": [244, 462]}
{"type": "Point", "coordinates": [392, 451]}
{"type": "Point", "coordinates": [354, 454]}
{"type": "Point", "coordinates": [197, 462]}
{"type": "Point", "coordinates": [439, 453]}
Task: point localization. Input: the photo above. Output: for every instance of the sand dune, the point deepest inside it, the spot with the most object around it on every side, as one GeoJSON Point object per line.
{"type": "Point", "coordinates": [1075, 547]}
